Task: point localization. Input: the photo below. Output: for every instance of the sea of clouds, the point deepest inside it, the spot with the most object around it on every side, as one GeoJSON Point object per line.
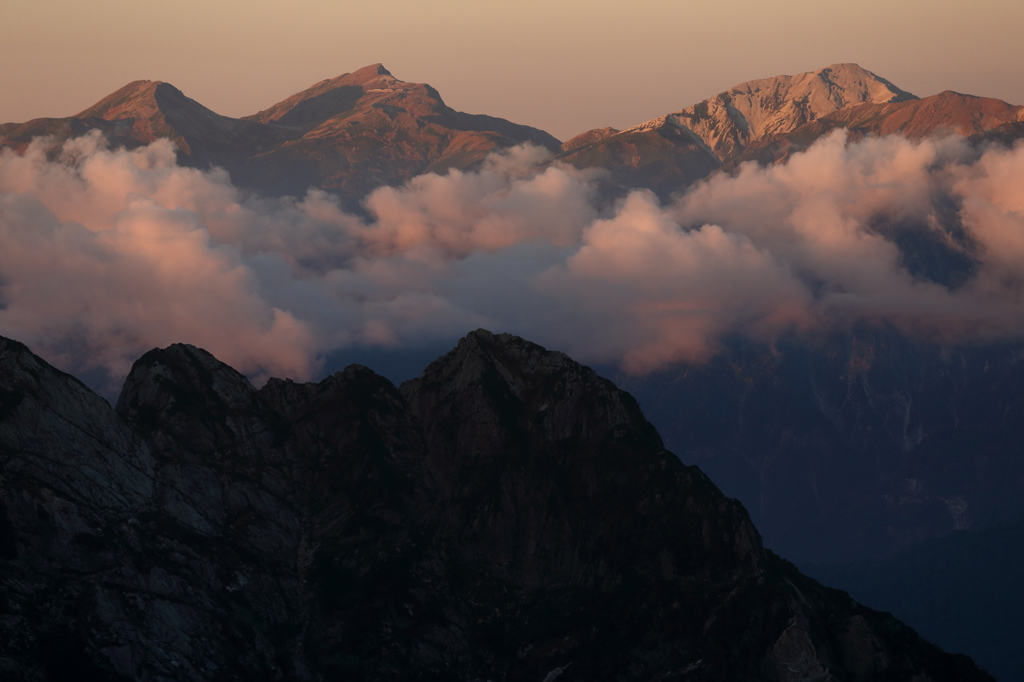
{"type": "Point", "coordinates": [107, 253]}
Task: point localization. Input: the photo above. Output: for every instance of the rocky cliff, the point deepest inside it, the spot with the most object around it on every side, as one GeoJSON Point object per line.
{"type": "Point", "coordinates": [507, 515]}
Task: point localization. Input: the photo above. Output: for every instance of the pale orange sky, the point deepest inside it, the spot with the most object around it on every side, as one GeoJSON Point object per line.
{"type": "Point", "coordinates": [562, 65]}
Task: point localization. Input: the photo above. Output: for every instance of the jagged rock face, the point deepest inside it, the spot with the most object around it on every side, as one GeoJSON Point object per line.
{"type": "Point", "coordinates": [962, 592]}
{"type": "Point", "coordinates": [509, 515]}
{"type": "Point", "coordinates": [349, 134]}
{"type": "Point", "coordinates": [1005, 135]}
{"type": "Point", "coordinates": [730, 121]}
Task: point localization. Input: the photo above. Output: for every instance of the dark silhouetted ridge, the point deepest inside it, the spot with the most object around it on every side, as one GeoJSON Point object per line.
{"type": "Point", "coordinates": [509, 514]}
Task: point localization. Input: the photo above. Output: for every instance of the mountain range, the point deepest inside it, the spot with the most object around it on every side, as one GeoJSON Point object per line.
{"type": "Point", "coordinates": [347, 135]}
{"type": "Point", "coordinates": [365, 129]}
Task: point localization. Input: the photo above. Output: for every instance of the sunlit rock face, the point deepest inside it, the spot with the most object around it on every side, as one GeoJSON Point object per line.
{"type": "Point", "coordinates": [671, 152]}
{"type": "Point", "coordinates": [507, 515]}
{"type": "Point", "coordinates": [366, 129]}
{"type": "Point", "coordinates": [769, 119]}
{"type": "Point", "coordinates": [730, 121]}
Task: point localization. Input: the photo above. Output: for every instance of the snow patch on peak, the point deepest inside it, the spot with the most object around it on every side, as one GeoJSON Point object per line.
{"type": "Point", "coordinates": [749, 111]}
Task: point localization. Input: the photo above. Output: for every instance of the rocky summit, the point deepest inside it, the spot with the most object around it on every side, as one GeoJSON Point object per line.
{"type": "Point", "coordinates": [508, 515]}
{"type": "Point", "coordinates": [670, 152]}
{"type": "Point", "coordinates": [365, 129]}
{"type": "Point", "coordinates": [769, 119]}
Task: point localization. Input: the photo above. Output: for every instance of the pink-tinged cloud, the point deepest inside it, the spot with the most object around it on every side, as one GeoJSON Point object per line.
{"type": "Point", "coordinates": [664, 294]}
{"type": "Point", "coordinates": [99, 261]}
{"type": "Point", "coordinates": [108, 253]}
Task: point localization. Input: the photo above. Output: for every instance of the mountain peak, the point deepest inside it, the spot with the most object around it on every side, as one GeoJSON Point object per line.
{"type": "Point", "coordinates": [364, 76]}
{"type": "Point", "coordinates": [750, 111]}
{"type": "Point", "coordinates": [848, 79]}
{"type": "Point", "coordinates": [328, 98]}
{"type": "Point", "coordinates": [156, 109]}
{"type": "Point", "coordinates": [372, 70]}
{"type": "Point", "coordinates": [670, 152]}
{"type": "Point", "coordinates": [127, 101]}
{"type": "Point", "coordinates": [851, 68]}
{"type": "Point", "coordinates": [407, 124]}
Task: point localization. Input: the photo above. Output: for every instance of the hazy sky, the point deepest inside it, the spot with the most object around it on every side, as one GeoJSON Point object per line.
{"type": "Point", "coordinates": [562, 65]}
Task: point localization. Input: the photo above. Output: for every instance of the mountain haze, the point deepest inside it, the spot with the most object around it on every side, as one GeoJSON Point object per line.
{"type": "Point", "coordinates": [962, 591]}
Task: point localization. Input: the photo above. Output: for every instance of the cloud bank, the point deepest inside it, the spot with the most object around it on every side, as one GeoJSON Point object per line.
{"type": "Point", "coordinates": [105, 254]}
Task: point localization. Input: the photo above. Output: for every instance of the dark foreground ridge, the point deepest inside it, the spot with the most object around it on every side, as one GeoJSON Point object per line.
{"type": "Point", "coordinates": [509, 515]}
